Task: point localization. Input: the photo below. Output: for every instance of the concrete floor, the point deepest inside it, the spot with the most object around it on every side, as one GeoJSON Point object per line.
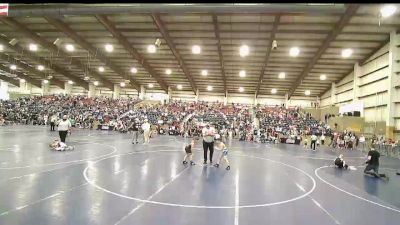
{"type": "Point", "coordinates": [107, 180]}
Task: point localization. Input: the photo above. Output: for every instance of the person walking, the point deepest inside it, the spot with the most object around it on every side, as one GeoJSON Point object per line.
{"type": "Point", "coordinates": [64, 126]}
{"type": "Point", "coordinates": [146, 131]}
{"type": "Point", "coordinates": [208, 142]}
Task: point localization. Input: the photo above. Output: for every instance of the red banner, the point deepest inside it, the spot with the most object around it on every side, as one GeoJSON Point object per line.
{"type": "Point", "coordinates": [3, 9]}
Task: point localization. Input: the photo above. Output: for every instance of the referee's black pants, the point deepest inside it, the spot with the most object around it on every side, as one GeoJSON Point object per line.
{"type": "Point", "coordinates": [313, 144]}
{"type": "Point", "coordinates": [63, 135]}
{"type": "Point", "coordinates": [52, 126]}
{"type": "Point", "coordinates": [206, 146]}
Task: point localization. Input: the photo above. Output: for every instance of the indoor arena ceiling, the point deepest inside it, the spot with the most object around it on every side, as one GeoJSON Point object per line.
{"type": "Point", "coordinates": [320, 31]}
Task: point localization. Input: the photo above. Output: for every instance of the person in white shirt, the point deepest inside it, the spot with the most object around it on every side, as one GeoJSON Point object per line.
{"type": "Point", "coordinates": [322, 139]}
{"type": "Point", "coordinates": [53, 121]}
{"type": "Point", "coordinates": [146, 131]}
{"type": "Point", "coordinates": [208, 142]}
{"type": "Point", "coordinates": [362, 142]}
{"type": "Point", "coordinates": [64, 126]}
{"type": "Point", "coordinates": [313, 141]}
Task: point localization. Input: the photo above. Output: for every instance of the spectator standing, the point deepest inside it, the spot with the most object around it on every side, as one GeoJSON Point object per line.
{"type": "Point", "coordinates": [53, 121]}
{"type": "Point", "coordinates": [64, 126]}
{"type": "Point", "coordinates": [146, 131]}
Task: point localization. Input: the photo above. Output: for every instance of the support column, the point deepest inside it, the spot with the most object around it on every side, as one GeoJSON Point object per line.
{"type": "Point", "coordinates": [92, 90]}
{"type": "Point", "coordinates": [255, 100]}
{"type": "Point", "coordinates": [286, 100]}
{"type": "Point", "coordinates": [197, 95]}
{"type": "Point", "coordinates": [394, 55]}
{"type": "Point", "coordinates": [67, 88]}
{"type": "Point", "coordinates": [117, 91]}
{"type": "Point", "coordinates": [356, 81]}
{"type": "Point", "coordinates": [169, 94]}
{"type": "Point", "coordinates": [226, 98]}
{"type": "Point", "coordinates": [142, 92]}
{"type": "Point", "coordinates": [318, 100]}
{"type": "Point", "coordinates": [25, 87]}
{"type": "Point", "coordinates": [4, 95]}
{"type": "Point", "coordinates": [45, 88]}
{"type": "Point", "coordinates": [333, 94]}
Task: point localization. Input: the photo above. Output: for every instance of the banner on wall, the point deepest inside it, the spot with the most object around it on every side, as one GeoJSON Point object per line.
{"type": "Point", "coordinates": [3, 9]}
{"type": "Point", "coordinates": [351, 107]}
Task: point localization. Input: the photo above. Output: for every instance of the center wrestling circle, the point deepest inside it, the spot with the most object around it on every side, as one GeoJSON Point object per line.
{"type": "Point", "coordinates": [93, 183]}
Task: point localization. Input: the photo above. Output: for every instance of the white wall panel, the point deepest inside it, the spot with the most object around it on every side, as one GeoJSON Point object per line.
{"type": "Point", "coordinates": [375, 114]}
{"type": "Point", "coordinates": [372, 88]}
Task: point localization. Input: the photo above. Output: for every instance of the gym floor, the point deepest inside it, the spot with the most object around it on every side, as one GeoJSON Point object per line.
{"type": "Point", "coordinates": [108, 180]}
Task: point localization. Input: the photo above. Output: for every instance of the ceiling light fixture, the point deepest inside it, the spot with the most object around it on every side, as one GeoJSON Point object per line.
{"type": "Point", "coordinates": [151, 85]}
{"type": "Point", "coordinates": [101, 69]}
{"type": "Point", "coordinates": [109, 47]}
{"type": "Point", "coordinates": [133, 70]}
{"type": "Point", "coordinates": [294, 52]}
{"type": "Point", "coordinates": [70, 82]}
{"type": "Point", "coordinates": [244, 51]}
{"type": "Point", "coordinates": [33, 47]}
{"type": "Point", "coordinates": [22, 80]}
{"type": "Point", "coordinates": [40, 67]}
{"type": "Point", "coordinates": [45, 81]}
{"type": "Point", "coordinates": [13, 67]}
{"type": "Point", "coordinates": [307, 92]}
{"type": "Point", "coordinates": [179, 86]}
{"type": "Point", "coordinates": [241, 89]}
{"type": "Point", "coordinates": [282, 75]}
{"type": "Point", "coordinates": [388, 10]}
{"type": "Point", "coordinates": [122, 84]}
{"type": "Point", "coordinates": [70, 47]}
{"type": "Point", "coordinates": [1, 48]}
{"type": "Point", "coordinates": [322, 77]}
{"type": "Point", "coordinates": [346, 53]}
{"type": "Point", "coordinates": [168, 71]}
{"type": "Point", "coordinates": [196, 49]}
{"type": "Point", "coordinates": [273, 91]}
{"type": "Point", "coordinates": [242, 73]}
{"type": "Point", "coordinates": [86, 78]}
{"type": "Point", "coordinates": [204, 72]}
{"type": "Point", "coordinates": [151, 48]}
{"type": "Point", "coordinates": [209, 88]}
{"type": "Point", "coordinates": [96, 83]}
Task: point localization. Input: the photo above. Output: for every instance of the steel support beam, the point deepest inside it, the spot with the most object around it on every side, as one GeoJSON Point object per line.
{"type": "Point", "coordinates": [31, 70]}
{"type": "Point", "coordinates": [167, 38]}
{"type": "Point", "coordinates": [18, 49]}
{"type": "Point", "coordinates": [85, 9]}
{"type": "Point", "coordinates": [132, 51]}
{"type": "Point", "coordinates": [268, 53]}
{"type": "Point", "coordinates": [29, 79]}
{"type": "Point", "coordinates": [53, 48]}
{"type": "Point", "coordinates": [221, 58]}
{"type": "Point", "coordinates": [344, 20]}
{"type": "Point", "coordinates": [10, 80]}
{"type": "Point", "coordinates": [60, 25]}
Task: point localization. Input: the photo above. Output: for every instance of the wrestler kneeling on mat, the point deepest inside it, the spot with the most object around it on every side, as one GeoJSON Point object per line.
{"type": "Point", "coordinates": [340, 163]}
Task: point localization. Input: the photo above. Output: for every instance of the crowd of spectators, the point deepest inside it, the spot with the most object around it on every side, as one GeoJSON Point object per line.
{"type": "Point", "coordinates": [246, 123]}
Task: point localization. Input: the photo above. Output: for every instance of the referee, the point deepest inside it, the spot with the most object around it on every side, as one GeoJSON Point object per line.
{"type": "Point", "coordinates": [208, 142]}
{"type": "Point", "coordinates": [64, 126]}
